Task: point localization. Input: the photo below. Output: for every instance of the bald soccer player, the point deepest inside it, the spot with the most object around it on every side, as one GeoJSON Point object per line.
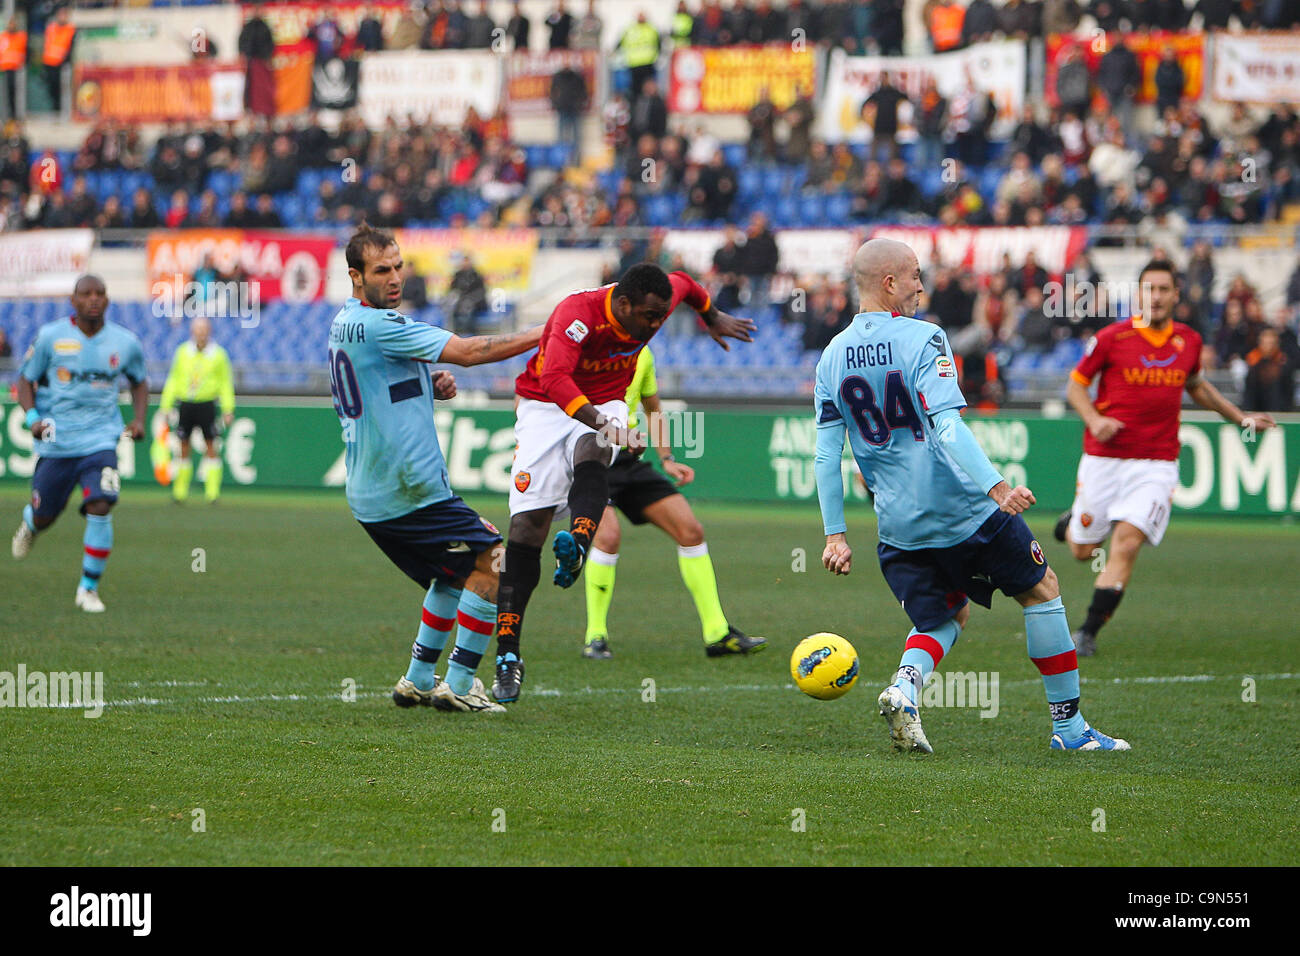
{"type": "Point", "coordinates": [949, 526]}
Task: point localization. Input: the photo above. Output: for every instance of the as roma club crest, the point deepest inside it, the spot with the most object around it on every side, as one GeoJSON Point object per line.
{"type": "Point", "coordinates": [522, 481]}
{"type": "Point", "coordinates": [1085, 519]}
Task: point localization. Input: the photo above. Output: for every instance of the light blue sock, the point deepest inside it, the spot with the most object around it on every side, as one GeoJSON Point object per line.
{"type": "Point", "coordinates": [29, 518]}
{"type": "Point", "coordinates": [476, 618]}
{"type": "Point", "coordinates": [1050, 648]}
{"type": "Point", "coordinates": [922, 654]}
{"type": "Point", "coordinates": [436, 620]}
{"type": "Point", "coordinates": [97, 544]}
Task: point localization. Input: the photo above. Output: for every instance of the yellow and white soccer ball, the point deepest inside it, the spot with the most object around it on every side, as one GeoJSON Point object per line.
{"type": "Point", "coordinates": [824, 666]}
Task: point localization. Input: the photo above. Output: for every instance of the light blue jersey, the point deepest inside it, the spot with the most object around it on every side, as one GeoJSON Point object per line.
{"type": "Point", "coordinates": [76, 385]}
{"type": "Point", "coordinates": [383, 393]}
{"type": "Point", "coordinates": [884, 380]}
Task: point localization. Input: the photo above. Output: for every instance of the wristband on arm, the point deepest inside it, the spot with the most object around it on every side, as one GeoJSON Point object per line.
{"type": "Point", "coordinates": [33, 416]}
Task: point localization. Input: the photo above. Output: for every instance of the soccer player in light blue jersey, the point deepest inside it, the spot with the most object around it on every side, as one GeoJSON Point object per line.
{"type": "Point", "coordinates": [384, 391]}
{"type": "Point", "coordinates": [68, 387]}
{"type": "Point", "coordinates": [950, 528]}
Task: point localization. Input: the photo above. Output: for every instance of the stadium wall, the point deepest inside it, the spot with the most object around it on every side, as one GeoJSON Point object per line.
{"type": "Point", "coordinates": [754, 457]}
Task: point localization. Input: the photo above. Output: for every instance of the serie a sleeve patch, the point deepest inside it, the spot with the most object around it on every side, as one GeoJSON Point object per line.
{"type": "Point", "coordinates": [577, 330]}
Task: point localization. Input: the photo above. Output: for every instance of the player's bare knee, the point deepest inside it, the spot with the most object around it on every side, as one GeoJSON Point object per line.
{"type": "Point", "coordinates": [589, 448]}
{"type": "Point", "coordinates": [530, 527]}
{"type": "Point", "coordinates": [609, 537]}
{"type": "Point", "coordinates": [483, 583]}
{"type": "Point", "coordinates": [1082, 552]}
{"type": "Point", "coordinates": [962, 616]}
{"type": "Point", "coordinates": [688, 532]}
{"type": "Point", "coordinates": [99, 507]}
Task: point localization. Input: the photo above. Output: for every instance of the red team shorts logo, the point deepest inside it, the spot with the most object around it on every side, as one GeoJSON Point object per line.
{"type": "Point", "coordinates": [1036, 552]}
{"type": "Point", "coordinates": [522, 481]}
{"type": "Point", "coordinates": [489, 525]}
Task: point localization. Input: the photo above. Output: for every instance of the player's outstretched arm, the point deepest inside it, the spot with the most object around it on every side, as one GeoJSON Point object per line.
{"type": "Point", "coordinates": [956, 439]}
{"type": "Point", "coordinates": [1207, 396]}
{"type": "Point", "coordinates": [723, 326]}
{"type": "Point", "coordinates": [482, 349]}
{"type": "Point", "coordinates": [837, 558]}
{"type": "Point", "coordinates": [27, 400]}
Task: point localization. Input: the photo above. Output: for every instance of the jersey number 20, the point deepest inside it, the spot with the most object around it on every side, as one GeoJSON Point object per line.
{"type": "Point", "coordinates": [877, 425]}
{"type": "Point", "coordinates": [343, 383]}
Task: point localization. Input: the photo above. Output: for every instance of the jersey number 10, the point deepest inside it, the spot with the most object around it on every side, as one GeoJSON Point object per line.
{"type": "Point", "coordinates": [875, 425]}
{"type": "Point", "coordinates": [343, 383]}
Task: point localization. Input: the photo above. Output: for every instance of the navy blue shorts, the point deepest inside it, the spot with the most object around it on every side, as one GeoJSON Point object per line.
{"type": "Point", "coordinates": [440, 542]}
{"type": "Point", "coordinates": [933, 583]}
{"type": "Point", "coordinates": [54, 479]}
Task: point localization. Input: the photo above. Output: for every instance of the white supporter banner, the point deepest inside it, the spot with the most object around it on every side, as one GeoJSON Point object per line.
{"type": "Point", "coordinates": [1256, 67]}
{"type": "Point", "coordinates": [997, 68]}
{"type": "Point", "coordinates": [43, 262]}
{"type": "Point", "coordinates": [428, 86]}
{"type": "Point", "coordinates": [800, 251]}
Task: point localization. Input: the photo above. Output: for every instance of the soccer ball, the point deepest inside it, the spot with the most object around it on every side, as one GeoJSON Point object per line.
{"type": "Point", "coordinates": [824, 666]}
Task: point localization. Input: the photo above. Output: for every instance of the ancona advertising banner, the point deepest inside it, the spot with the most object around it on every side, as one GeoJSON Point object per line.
{"type": "Point", "coordinates": [158, 94]}
{"type": "Point", "coordinates": [44, 261]}
{"type": "Point", "coordinates": [287, 266]}
{"type": "Point", "coordinates": [737, 456]}
{"type": "Point", "coordinates": [734, 79]}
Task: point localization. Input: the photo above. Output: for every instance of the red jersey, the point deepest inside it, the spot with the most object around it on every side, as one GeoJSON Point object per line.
{"type": "Point", "coordinates": [1143, 374]}
{"type": "Point", "coordinates": [585, 355]}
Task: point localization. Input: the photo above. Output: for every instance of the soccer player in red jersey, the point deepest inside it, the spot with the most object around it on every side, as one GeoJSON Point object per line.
{"type": "Point", "coordinates": [570, 422]}
{"type": "Point", "coordinates": [1129, 468]}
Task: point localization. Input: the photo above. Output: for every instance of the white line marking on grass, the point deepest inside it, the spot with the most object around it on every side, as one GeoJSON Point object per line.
{"type": "Point", "coordinates": [603, 691]}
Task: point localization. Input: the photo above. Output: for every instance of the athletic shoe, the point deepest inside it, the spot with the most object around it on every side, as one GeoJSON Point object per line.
{"type": "Point", "coordinates": [22, 543]}
{"type": "Point", "coordinates": [734, 642]}
{"type": "Point", "coordinates": [597, 650]}
{"type": "Point", "coordinates": [509, 679]}
{"type": "Point", "coordinates": [1092, 739]}
{"type": "Point", "coordinates": [89, 601]}
{"type": "Point", "coordinates": [569, 557]}
{"type": "Point", "coordinates": [475, 701]}
{"type": "Point", "coordinates": [406, 694]}
{"type": "Point", "coordinates": [904, 721]}
{"type": "Point", "coordinates": [1062, 523]}
{"type": "Point", "coordinates": [1085, 644]}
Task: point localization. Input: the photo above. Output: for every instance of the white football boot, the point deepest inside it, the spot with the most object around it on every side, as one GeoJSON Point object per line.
{"type": "Point", "coordinates": [89, 601]}
{"type": "Point", "coordinates": [475, 700]}
{"type": "Point", "coordinates": [904, 720]}
{"type": "Point", "coordinates": [22, 543]}
{"type": "Point", "coordinates": [406, 694]}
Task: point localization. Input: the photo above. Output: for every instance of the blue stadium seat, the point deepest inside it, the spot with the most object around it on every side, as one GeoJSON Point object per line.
{"type": "Point", "coordinates": [787, 211]}
{"type": "Point", "coordinates": [658, 210]}
{"type": "Point", "coordinates": [931, 181]}
{"type": "Point", "coordinates": [750, 181]}
{"type": "Point", "coordinates": [989, 178]}
{"type": "Point", "coordinates": [735, 154]}
{"type": "Point", "coordinates": [561, 155]}
{"type": "Point", "coordinates": [839, 208]}
{"type": "Point", "coordinates": [536, 156]}
{"type": "Point", "coordinates": [812, 210]}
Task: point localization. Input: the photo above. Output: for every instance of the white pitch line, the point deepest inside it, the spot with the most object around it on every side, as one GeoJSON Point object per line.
{"type": "Point", "coordinates": [601, 691]}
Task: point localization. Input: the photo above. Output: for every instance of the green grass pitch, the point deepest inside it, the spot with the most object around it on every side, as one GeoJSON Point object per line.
{"type": "Point", "coordinates": [226, 689]}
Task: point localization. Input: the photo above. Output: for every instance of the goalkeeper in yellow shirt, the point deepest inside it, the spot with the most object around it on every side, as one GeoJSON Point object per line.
{"type": "Point", "coordinates": [644, 495]}
{"type": "Point", "coordinates": [199, 380]}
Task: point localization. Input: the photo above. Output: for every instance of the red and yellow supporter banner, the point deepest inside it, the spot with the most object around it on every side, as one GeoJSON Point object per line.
{"type": "Point", "coordinates": [528, 78]}
{"type": "Point", "coordinates": [284, 266]}
{"type": "Point", "coordinates": [504, 257]}
{"type": "Point", "coordinates": [981, 248]}
{"type": "Point", "coordinates": [733, 80]}
{"type": "Point", "coordinates": [158, 94]}
{"type": "Point", "coordinates": [1147, 47]}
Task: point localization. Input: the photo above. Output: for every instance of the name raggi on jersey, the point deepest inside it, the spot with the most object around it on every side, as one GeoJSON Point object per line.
{"type": "Point", "coordinates": [869, 356]}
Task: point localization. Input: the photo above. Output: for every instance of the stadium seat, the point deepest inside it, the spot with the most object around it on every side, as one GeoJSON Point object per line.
{"type": "Point", "coordinates": [561, 155]}
{"type": "Point", "coordinates": [735, 154]}
{"type": "Point", "coordinates": [537, 156]}
{"type": "Point", "coordinates": [839, 208]}
{"type": "Point", "coordinates": [812, 210]}
{"type": "Point", "coordinates": [787, 212]}
{"type": "Point", "coordinates": [750, 181]}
